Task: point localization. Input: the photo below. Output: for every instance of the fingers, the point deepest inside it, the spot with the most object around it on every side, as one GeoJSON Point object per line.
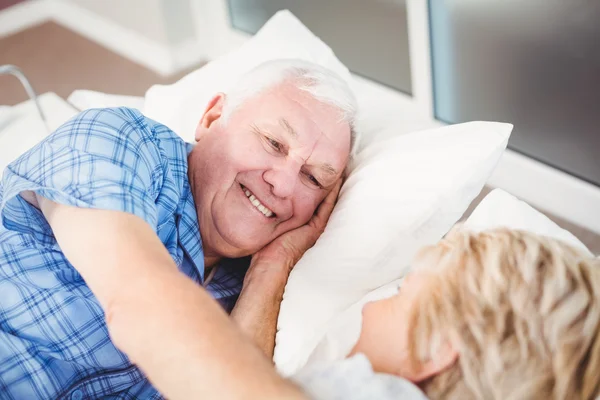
{"type": "Point", "coordinates": [326, 207]}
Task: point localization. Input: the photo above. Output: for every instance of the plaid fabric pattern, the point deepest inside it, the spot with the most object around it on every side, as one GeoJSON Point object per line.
{"type": "Point", "coordinates": [54, 343]}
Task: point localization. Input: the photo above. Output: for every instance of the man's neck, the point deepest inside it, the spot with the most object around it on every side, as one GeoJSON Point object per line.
{"type": "Point", "coordinates": [210, 261]}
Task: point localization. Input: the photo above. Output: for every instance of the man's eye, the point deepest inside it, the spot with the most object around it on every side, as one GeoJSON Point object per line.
{"type": "Point", "coordinates": [313, 180]}
{"type": "Point", "coordinates": [275, 144]}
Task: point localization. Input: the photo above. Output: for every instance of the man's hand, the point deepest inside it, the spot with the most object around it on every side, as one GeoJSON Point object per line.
{"type": "Point", "coordinates": [292, 245]}
{"type": "Point", "coordinates": [257, 308]}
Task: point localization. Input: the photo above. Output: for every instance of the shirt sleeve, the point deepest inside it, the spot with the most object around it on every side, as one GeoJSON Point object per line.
{"type": "Point", "coordinates": [102, 158]}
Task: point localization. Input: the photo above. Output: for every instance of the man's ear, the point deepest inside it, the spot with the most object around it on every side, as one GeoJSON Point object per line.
{"type": "Point", "coordinates": [213, 112]}
{"type": "Point", "coordinates": [438, 363]}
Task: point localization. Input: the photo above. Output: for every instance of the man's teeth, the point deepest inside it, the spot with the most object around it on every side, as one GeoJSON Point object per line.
{"type": "Point", "coordinates": [257, 204]}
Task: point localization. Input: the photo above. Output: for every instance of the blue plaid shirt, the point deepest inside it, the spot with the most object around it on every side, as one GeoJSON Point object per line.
{"type": "Point", "coordinates": [54, 342]}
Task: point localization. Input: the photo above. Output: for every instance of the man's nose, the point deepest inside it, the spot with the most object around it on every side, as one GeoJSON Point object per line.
{"type": "Point", "coordinates": [283, 177]}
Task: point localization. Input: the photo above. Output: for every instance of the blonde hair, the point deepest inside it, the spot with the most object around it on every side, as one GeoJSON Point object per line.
{"type": "Point", "coordinates": [523, 312]}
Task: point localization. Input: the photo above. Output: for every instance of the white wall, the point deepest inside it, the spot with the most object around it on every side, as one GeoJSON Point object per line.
{"type": "Point", "coordinates": [161, 35]}
{"type": "Point", "coordinates": [167, 22]}
{"type": "Point", "coordinates": [143, 16]}
{"type": "Point", "coordinates": [179, 21]}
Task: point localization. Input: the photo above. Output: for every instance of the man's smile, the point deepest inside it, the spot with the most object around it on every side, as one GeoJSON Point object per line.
{"type": "Point", "coordinates": [257, 204]}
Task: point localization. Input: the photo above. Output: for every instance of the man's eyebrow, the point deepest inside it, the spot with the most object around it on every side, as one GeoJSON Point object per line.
{"type": "Point", "coordinates": [328, 169]}
{"type": "Point", "coordinates": [286, 125]}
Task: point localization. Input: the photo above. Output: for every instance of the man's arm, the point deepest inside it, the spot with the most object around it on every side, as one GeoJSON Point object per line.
{"type": "Point", "coordinates": [257, 309]}
{"type": "Point", "coordinates": [164, 322]}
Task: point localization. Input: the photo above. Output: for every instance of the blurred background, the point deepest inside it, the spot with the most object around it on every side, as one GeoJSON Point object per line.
{"type": "Point", "coordinates": [82, 44]}
{"type": "Point", "coordinates": [533, 63]}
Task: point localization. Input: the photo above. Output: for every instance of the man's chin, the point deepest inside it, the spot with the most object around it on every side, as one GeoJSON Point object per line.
{"type": "Point", "coordinates": [238, 247]}
{"type": "Point", "coordinates": [244, 238]}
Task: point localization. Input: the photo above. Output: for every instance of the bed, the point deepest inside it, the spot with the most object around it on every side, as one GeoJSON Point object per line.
{"type": "Point", "coordinates": [444, 197]}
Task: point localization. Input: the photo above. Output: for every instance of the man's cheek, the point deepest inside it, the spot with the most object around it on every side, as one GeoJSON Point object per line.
{"type": "Point", "coordinates": [248, 150]}
{"type": "Point", "coordinates": [309, 209]}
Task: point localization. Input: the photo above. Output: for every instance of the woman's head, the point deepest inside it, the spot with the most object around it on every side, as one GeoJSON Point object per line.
{"type": "Point", "coordinates": [498, 314]}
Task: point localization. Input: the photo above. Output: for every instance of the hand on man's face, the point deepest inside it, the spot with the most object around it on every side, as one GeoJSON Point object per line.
{"type": "Point", "coordinates": [287, 249]}
{"type": "Point", "coordinates": [265, 171]}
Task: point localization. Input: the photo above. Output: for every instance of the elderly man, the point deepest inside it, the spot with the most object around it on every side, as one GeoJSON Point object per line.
{"type": "Point", "coordinates": [115, 237]}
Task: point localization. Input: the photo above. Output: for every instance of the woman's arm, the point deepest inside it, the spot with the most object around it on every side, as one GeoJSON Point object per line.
{"type": "Point", "coordinates": [169, 326]}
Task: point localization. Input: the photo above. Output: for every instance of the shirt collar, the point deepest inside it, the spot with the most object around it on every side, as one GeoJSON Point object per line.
{"type": "Point", "coordinates": [188, 227]}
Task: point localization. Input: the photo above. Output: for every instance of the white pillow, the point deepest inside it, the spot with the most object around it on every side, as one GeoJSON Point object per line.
{"type": "Point", "coordinates": [403, 193]}
{"type": "Point", "coordinates": [86, 99]}
{"type": "Point", "coordinates": [180, 105]}
{"type": "Point", "coordinates": [496, 210]}
{"type": "Point", "coordinates": [500, 209]}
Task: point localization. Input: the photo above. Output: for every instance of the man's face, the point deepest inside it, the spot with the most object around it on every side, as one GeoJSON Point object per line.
{"type": "Point", "coordinates": [266, 169]}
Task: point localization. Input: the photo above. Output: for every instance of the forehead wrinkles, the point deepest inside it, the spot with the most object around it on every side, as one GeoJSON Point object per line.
{"type": "Point", "coordinates": [334, 134]}
{"type": "Point", "coordinates": [330, 156]}
{"type": "Point", "coordinates": [311, 119]}
{"type": "Point", "coordinates": [305, 125]}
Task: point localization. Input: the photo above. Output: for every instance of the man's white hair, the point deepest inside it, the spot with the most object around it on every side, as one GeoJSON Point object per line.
{"type": "Point", "coordinates": [321, 83]}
